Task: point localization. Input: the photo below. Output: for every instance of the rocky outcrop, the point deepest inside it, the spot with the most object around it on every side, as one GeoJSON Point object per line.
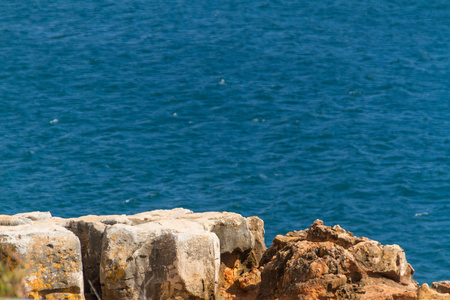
{"type": "Point", "coordinates": [163, 254]}
{"type": "Point", "coordinates": [175, 232]}
{"type": "Point", "coordinates": [178, 254]}
{"type": "Point", "coordinates": [330, 263]}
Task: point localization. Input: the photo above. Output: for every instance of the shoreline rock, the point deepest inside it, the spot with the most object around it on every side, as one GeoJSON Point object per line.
{"type": "Point", "coordinates": [179, 254]}
{"type": "Point", "coordinates": [330, 263]}
{"type": "Point", "coordinates": [51, 255]}
{"type": "Point", "coordinates": [163, 254]}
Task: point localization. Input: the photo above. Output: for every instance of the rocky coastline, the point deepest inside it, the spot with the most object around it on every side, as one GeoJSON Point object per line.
{"type": "Point", "coordinates": [179, 254]}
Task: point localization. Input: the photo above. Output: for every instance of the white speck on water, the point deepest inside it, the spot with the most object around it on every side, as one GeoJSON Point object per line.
{"type": "Point", "coordinates": [256, 120]}
{"type": "Point", "coordinates": [222, 82]}
{"type": "Point", "coordinates": [175, 114]}
{"type": "Point", "coordinates": [54, 121]}
{"type": "Point", "coordinates": [425, 213]}
{"type": "Point", "coordinates": [262, 176]}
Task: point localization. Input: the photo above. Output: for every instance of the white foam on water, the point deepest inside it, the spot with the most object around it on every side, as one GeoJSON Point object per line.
{"type": "Point", "coordinates": [425, 213]}
{"type": "Point", "coordinates": [54, 121]}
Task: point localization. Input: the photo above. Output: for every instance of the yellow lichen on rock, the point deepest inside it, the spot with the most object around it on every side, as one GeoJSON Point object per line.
{"type": "Point", "coordinates": [53, 260]}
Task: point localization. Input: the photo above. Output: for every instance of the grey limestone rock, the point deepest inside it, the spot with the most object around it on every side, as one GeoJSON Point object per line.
{"type": "Point", "coordinates": [159, 260]}
{"type": "Point", "coordinates": [161, 254]}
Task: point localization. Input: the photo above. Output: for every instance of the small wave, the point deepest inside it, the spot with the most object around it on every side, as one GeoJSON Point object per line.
{"type": "Point", "coordinates": [129, 201]}
{"type": "Point", "coordinates": [425, 213]}
{"type": "Point", "coordinates": [54, 121]}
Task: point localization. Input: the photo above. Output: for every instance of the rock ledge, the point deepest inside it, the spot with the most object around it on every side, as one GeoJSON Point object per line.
{"type": "Point", "coordinates": [162, 254]}
{"type": "Point", "coordinates": [179, 254]}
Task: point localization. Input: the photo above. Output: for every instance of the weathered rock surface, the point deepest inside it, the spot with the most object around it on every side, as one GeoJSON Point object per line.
{"type": "Point", "coordinates": [13, 220]}
{"type": "Point", "coordinates": [236, 236]}
{"type": "Point", "coordinates": [441, 286]}
{"type": "Point", "coordinates": [231, 229]}
{"type": "Point", "coordinates": [426, 293]}
{"type": "Point", "coordinates": [52, 257]}
{"type": "Point", "coordinates": [90, 231]}
{"type": "Point", "coordinates": [35, 215]}
{"type": "Point", "coordinates": [330, 263]}
{"type": "Point", "coordinates": [160, 214]}
{"type": "Point", "coordinates": [178, 254]}
{"type": "Point", "coordinates": [160, 260]}
{"type": "Point", "coordinates": [256, 226]}
{"type": "Point", "coordinates": [161, 254]}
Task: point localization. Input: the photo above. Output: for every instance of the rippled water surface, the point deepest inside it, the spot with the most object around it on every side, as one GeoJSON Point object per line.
{"type": "Point", "coordinates": [289, 110]}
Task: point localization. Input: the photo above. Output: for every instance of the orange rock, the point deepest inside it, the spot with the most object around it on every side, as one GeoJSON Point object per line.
{"type": "Point", "coordinates": [441, 286]}
{"type": "Point", "coordinates": [426, 293]}
{"type": "Point", "coordinates": [331, 263]}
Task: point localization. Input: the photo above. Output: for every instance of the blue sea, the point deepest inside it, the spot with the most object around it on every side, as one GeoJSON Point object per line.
{"type": "Point", "coordinates": [289, 110]}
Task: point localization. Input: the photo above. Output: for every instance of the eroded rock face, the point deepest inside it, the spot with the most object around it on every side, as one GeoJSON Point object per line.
{"type": "Point", "coordinates": [256, 226]}
{"type": "Point", "coordinates": [232, 229]}
{"type": "Point", "coordinates": [178, 254]}
{"type": "Point", "coordinates": [90, 232]}
{"type": "Point", "coordinates": [159, 261]}
{"type": "Point", "coordinates": [330, 263]}
{"type": "Point", "coordinates": [52, 258]}
{"type": "Point", "coordinates": [240, 242]}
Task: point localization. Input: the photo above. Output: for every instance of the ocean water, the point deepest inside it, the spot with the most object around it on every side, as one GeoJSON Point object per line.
{"type": "Point", "coordinates": [288, 110]}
